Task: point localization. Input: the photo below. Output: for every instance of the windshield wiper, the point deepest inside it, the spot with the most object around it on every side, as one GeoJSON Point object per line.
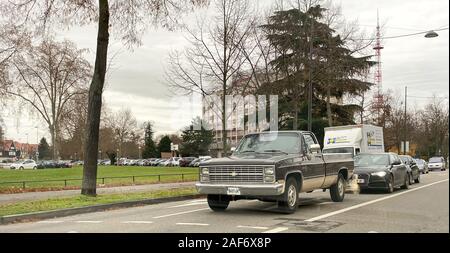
{"type": "Point", "coordinates": [276, 151]}
{"type": "Point", "coordinates": [248, 151]}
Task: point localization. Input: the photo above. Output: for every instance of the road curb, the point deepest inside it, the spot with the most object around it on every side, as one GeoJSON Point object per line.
{"type": "Point", "coordinates": [89, 209]}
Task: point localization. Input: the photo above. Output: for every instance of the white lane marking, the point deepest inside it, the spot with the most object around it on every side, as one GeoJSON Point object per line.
{"type": "Point", "coordinates": [137, 222]}
{"type": "Point", "coordinates": [371, 202]}
{"type": "Point", "coordinates": [276, 230]}
{"type": "Point", "coordinates": [192, 224]}
{"type": "Point", "coordinates": [372, 232]}
{"type": "Point", "coordinates": [89, 221]}
{"type": "Point", "coordinates": [190, 204]}
{"type": "Point", "coordinates": [197, 200]}
{"type": "Point", "coordinates": [174, 214]}
{"type": "Point", "coordinates": [72, 232]}
{"type": "Point", "coordinates": [50, 221]}
{"type": "Point", "coordinates": [262, 228]}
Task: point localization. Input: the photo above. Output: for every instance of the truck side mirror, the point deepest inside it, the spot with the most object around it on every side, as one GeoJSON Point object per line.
{"type": "Point", "coordinates": [315, 148]}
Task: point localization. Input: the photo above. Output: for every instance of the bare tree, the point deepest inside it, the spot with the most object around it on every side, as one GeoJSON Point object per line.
{"type": "Point", "coordinates": [127, 19]}
{"type": "Point", "coordinates": [124, 125]}
{"type": "Point", "coordinates": [47, 78]}
{"type": "Point", "coordinates": [216, 57]}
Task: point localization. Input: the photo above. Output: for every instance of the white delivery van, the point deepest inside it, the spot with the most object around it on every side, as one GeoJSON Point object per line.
{"type": "Point", "coordinates": [353, 139]}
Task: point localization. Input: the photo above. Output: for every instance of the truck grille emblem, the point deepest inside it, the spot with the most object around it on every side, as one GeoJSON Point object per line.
{"type": "Point", "coordinates": [233, 174]}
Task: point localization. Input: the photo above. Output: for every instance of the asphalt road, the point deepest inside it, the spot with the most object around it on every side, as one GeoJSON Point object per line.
{"type": "Point", "coordinates": [422, 208]}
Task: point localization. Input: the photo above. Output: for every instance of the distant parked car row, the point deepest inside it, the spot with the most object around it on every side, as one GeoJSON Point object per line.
{"type": "Point", "coordinates": [160, 162]}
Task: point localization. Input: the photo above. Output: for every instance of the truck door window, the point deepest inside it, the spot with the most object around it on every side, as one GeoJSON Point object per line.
{"type": "Point", "coordinates": [309, 140]}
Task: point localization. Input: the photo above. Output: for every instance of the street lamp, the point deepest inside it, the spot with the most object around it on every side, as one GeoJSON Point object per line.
{"type": "Point", "coordinates": [139, 147]}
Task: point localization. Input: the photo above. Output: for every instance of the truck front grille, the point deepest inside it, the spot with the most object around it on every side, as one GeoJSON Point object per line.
{"type": "Point", "coordinates": [236, 175]}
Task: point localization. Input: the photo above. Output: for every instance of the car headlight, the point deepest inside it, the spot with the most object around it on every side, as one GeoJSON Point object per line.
{"type": "Point", "coordinates": [379, 174]}
{"type": "Point", "coordinates": [205, 171]}
{"type": "Point", "coordinates": [269, 171]}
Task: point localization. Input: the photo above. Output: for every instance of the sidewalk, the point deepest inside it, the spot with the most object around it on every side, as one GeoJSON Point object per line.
{"type": "Point", "coordinates": [11, 198]}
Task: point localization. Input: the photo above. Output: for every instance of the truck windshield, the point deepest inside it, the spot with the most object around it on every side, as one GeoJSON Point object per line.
{"type": "Point", "coordinates": [343, 150]}
{"type": "Point", "coordinates": [270, 143]}
{"type": "Point", "coordinates": [365, 160]}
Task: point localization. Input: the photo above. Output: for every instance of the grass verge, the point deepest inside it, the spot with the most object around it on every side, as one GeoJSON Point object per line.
{"type": "Point", "coordinates": [142, 175]}
{"type": "Point", "coordinates": [82, 201]}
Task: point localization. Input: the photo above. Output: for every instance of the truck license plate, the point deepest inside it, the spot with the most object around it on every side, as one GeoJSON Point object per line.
{"type": "Point", "coordinates": [233, 191]}
{"type": "Point", "coordinates": [360, 181]}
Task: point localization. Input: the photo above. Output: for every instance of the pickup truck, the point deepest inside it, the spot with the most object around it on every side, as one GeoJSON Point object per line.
{"type": "Point", "coordinates": [274, 167]}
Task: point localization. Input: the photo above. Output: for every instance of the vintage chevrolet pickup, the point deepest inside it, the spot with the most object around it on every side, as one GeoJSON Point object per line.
{"type": "Point", "coordinates": [276, 167]}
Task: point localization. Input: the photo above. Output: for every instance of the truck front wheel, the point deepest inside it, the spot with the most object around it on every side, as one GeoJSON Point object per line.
{"type": "Point", "coordinates": [218, 203]}
{"type": "Point", "coordinates": [337, 191]}
{"type": "Point", "coordinates": [290, 197]}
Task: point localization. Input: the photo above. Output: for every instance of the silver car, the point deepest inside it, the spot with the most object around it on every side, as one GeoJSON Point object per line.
{"type": "Point", "coordinates": [423, 166]}
{"type": "Point", "coordinates": [437, 163]}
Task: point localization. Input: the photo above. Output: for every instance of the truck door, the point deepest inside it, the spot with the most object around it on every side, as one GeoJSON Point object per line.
{"type": "Point", "coordinates": [313, 167]}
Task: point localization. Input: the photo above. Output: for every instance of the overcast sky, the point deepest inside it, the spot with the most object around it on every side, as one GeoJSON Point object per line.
{"type": "Point", "coordinates": [136, 78]}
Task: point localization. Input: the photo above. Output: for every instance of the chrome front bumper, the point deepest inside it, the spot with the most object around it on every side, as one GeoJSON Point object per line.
{"type": "Point", "coordinates": [275, 189]}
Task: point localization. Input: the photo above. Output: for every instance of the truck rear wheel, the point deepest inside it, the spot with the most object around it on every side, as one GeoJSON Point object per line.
{"type": "Point", "coordinates": [218, 203]}
{"type": "Point", "coordinates": [337, 191]}
{"type": "Point", "coordinates": [290, 197]}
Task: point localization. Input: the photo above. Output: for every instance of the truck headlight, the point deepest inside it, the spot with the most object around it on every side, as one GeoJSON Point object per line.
{"type": "Point", "coordinates": [269, 179]}
{"type": "Point", "coordinates": [269, 171]}
{"type": "Point", "coordinates": [379, 174]}
{"type": "Point", "coordinates": [205, 171]}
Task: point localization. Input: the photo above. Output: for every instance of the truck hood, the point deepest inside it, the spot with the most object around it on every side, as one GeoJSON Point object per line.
{"type": "Point", "coordinates": [250, 159]}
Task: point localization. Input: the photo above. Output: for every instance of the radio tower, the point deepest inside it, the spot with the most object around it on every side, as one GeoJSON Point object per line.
{"type": "Point", "coordinates": [378, 97]}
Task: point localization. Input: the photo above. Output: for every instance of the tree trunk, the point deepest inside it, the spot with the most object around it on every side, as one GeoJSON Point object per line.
{"type": "Point", "coordinates": [89, 186]}
{"type": "Point", "coordinates": [330, 118]}
{"type": "Point", "coordinates": [53, 136]}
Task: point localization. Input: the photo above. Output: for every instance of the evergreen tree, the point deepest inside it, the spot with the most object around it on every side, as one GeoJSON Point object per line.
{"type": "Point", "coordinates": [164, 144]}
{"type": "Point", "coordinates": [305, 46]}
{"type": "Point", "coordinates": [150, 147]}
{"type": "Point", "coordinates": [196, 142]}
{"type": "Point", "coordinates": [43, 149]}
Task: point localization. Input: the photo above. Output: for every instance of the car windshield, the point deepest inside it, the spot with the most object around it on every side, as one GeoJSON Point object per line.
{"type": "Point", "coordinates": [338, 150]}
{"type": "Point", "coordinates": [364, 160]}
{"type": "Point", "coordinates": [435, 160]}
{"type": "Point", "coordinates": [270, 142]}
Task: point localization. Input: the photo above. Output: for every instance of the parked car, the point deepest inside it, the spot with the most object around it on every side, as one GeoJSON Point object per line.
{"type": "Point", "coordinates": [175, 161]}
{"type": "Point", "coordinates": [192, 164]}
{"type": "Point", "coordinates": [164, 162]}
{"type": "Point", "coordinates": [155, 162]}
{"type": "Point", "coordinates": [24, 164]}
{"type": "Point", "coordinates": [380, 171]}
{"type": "Point", "coordinates": [423, 166]}
{"type": "Point", "coordinates": [413, 169]}
{"type": "Point", "coordinates": [40, 165]}
{"type": "Point", "coordinates": [65, 164]}
{"type": "Point", "coordinates": [200, 161]}
{"type": "Point", "coordinates": [437, 163]}
{"type": "Point", "coordinates": [185, 161]}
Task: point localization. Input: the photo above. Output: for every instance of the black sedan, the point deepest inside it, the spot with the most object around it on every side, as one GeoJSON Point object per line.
{"type": "Point", "coordinates": [378, 171]}
{"type": "Point", "coordinates": [413, 169]}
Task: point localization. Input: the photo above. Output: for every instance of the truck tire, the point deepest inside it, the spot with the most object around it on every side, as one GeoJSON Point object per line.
{"type": "Point", "coordinates": [337, 191]}
{"type": "Point", "coordinates": [218, 203]}
{"type": "Point", "coordinates": [289, 202]}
